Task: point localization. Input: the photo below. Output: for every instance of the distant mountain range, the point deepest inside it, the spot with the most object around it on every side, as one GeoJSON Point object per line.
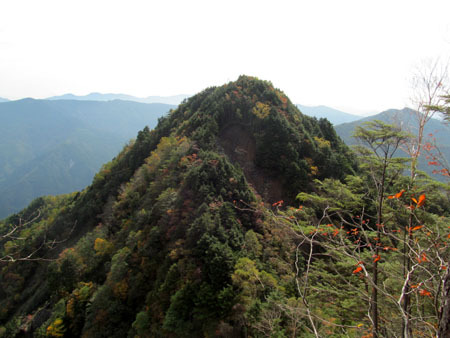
{"type": "Point", "coordinates": [175, 99]}
{"type": "Point", "coordinates": [333, 115]}
{"type": "Point", "coordinates": [3, 99]}
{"type": "Point", "coordinates": [55, 147]}
{"type": "Point", "coordinates": [406, 119]}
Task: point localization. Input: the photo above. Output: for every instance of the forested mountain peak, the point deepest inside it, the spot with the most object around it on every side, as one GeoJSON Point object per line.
{"type": "Point", "coordinates": [188, 231]}
{"type": "Point", "coordinates": [258, 127]}
{"type": "Point", "coordinates": [176, 196]}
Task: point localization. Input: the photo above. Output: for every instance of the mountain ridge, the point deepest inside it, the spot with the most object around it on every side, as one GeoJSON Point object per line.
{"type": "Point", "coordinates": [173, 99]}
{"type": "Point", "coordinates": [436, 132]}
{"type": "Point", "coordinates": [335, 116]}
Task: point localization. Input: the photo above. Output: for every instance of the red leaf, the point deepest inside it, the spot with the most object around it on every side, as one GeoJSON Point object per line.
{"type": "Point", "coordinates": [424, 257]}
{"type": "Point", "coordinates": [358, 269]}
{"type": "Point", "coordinates": [279, 203]}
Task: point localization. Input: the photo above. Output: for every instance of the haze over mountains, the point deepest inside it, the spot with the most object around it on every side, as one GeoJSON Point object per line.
{"type": "Point", "coordinates": [54, 147]}
{"type": "Point", "coordinates": [333, 115]}
{"type": "Point", "coordinates": [174, 99]}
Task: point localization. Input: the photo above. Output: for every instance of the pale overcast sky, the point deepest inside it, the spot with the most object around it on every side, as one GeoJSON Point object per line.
{"type": "Point", "coordinates": [356, 56]}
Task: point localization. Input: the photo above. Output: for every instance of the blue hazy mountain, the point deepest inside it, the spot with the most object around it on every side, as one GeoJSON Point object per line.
{"type": "Point", "coordinates": [406, 119]}
{"type": "Point", "coordinates": [3, 99]}
{"type": "Point", "coordinates": [333, 115]}
{"type": "Point", "coordinates": [55, 147]}
{"type": "Point", "coordinates": [175, 99]}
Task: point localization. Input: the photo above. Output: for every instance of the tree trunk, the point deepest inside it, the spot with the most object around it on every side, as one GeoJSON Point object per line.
{"type": "Point", "coordinates": [444, 323]}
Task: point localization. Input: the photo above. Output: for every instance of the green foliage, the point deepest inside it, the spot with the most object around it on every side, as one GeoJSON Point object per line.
{"type": "Point", "coordinates": [142, 324]}
{"type": "Point", "coordinates": [179, 235]}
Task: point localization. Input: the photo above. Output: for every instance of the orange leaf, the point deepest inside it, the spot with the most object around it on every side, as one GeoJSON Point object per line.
{"type": "Point", "coordinates": [417, 228]}
{"type": "Point", "coordinates": [358, 269]}
{"type": "Point", "coordinates": [425, 293]}
{"type": "Point", "coordinates": [377, 258]}
{"type": "Point", "coordinates": [397, 195]}
{"type": "Point", "coordinates": [421, 200]}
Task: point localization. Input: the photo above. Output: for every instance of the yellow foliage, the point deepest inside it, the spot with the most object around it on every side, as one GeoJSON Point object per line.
{"type": "Point", "coordinates": [313, 168]}
{"type": "Point", "coordinates": [102, 247]}
{"type": "Point", "coordinates": [56, 329]}
{"type": "Point", "coordinates": [322, 142]}
{"type": "Point", "coordinates": [261, 110]}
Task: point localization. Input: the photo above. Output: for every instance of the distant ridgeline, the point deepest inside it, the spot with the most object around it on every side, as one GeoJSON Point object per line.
{"type": "Point", "coordinates": [175, 236]}
{"type": "Point", "coordinates": [436, 133]}
{"type": "Point", "coordinates": [173, 100]}
{"type": "Point", "coordinates": [55, 147]}
{"type": "Point", "coordinates": [333, 115]}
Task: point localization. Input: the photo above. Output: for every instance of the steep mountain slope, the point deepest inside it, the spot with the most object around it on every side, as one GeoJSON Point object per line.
{"type": "Point", "coordinates": [168, 240]}
{"type": "Point", "coordinates": [174, 99]}
{"type": "Point", "coordinates": [53, 147]}
{"type": "Point", "coordinates": [436, 132]}
{"type": "Point", "coordinates": [333, 115]}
